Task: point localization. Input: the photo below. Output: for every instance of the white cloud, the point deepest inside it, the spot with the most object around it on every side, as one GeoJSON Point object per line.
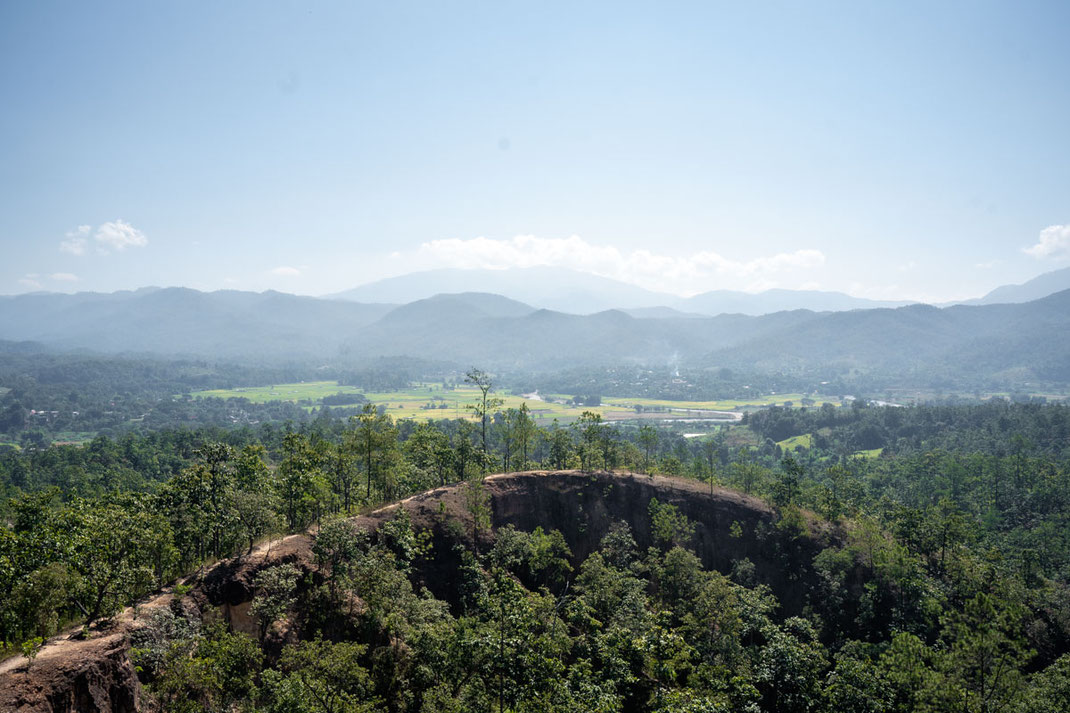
{"type": "Point", "coordinates": [286, 271]}
{"type": "Point", "coordinates": [1053, 242]}
{"type": "Point", "coordinates": [77, 242]}
{"type": "Point", "coordinates": [680, 274]}
{"type": "Point", "coordinates": [30, 281]}
{"type": "Point", "coordinates": [64, 277]}
{"type": "Point", "coordinates": [119, 235]}
{"type": "Point", "coordinates": [116, 234]}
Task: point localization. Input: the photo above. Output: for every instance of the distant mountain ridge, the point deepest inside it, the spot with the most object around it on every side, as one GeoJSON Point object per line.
{"type": "Point", "coordinates": [180, 321]}
{"type": "Point", "coordinates": [1026, 342]}
{"type": "Point", "coordinates": [1041, 286]}
{"type": "Point", "coordinates": [576, 292]}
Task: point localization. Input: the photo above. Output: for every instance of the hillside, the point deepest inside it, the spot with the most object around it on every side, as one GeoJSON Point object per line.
{"type": "Point", "coordinates": [97, 676]}
{"type": "Point", "coordinates": [975, 340]}
{"type": "Point", "coordinates": [1022, 342]}
{"type": "Point", "coordinates": [179, 321]}
{"type": "Point", "coordinates": [1041, 286]}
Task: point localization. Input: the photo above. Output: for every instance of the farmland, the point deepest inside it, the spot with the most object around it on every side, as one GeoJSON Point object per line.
{"type": "Point", "coordinates": [806, 440]}
{"type": "Point", "coordinates": [435, 400]}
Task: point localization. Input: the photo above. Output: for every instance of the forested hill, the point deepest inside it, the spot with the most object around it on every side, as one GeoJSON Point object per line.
{"type": "Point", "coordinates": [990, 340]}
{"type": "Point", "coordinates": [179, 321]}
{"type": "Point", "coordinates": [1010, 343]}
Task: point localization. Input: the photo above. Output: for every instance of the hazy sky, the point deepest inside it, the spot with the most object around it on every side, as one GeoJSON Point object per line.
{"type": "Point", "coordinates": [909, 150]}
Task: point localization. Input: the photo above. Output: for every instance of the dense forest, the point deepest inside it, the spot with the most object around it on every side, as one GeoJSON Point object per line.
{"type": "Point", "coordinates": [47, 397]}
{"type": "Point", "coordinates": [942, 581]}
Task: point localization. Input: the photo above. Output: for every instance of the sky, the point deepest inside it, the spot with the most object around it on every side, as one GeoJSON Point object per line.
{"type": "Point", "coordinates": [906, 150]}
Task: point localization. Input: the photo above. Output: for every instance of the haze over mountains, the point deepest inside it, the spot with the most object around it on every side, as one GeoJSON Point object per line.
{"type": "Point", "coordinates": [1040, 286]}
{"type": "Point", "coordinates": [577, 292]}
{"type": "Point", "coordinates": [1018, 342]}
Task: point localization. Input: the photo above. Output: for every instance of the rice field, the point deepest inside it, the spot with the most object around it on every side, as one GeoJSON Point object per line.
{"type": "Point", "coordinates": [312, 391]}
{"type": "Point", "coordinates": [434, 400]}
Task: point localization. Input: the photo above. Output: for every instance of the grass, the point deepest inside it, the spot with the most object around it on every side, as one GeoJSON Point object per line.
{"type": "Point", "coordinates": [76, 438]}
{"type": "Point", "coordinates": [450, 403]}
{"type": "Point", "coordinates": [872, 453]}
{"type": "Point", "coordinates": [304, 391]}
{"type": "Point", "coordinates": [405, 403]}
{"type": "Point", "coordinates": [795, 442]}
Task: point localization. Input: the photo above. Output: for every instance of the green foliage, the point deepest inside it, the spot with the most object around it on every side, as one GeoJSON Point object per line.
{"type": "Point", "coordinates": [933, 578]}
{"type": "Point", "coordinates": [538, 558]}
{"type": "Point", "coordinates": [30, 647]}
{"type": "Point", "coordinates": [323, 677]}
{"type": "Point", "coordinates": [116, 552]}
{"type": "Point", "coordinates": [1049, 690]}
{"type": "Point", "coordinates": [668, 525]}
{"type": "Point", "coordinates": [201, 671]}
{"type": "Point", "coordinates": [276, 589]}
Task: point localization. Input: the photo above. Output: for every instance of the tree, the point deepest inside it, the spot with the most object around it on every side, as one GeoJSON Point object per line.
{"type": "Point", "coordinates": [524, 430]}
{"type": "Point", "coordinates": [193, 673]}
{"type": "Point", "coordinates": [327, 677]}
{"type": "Point", "coordinates": [464, 453]}
{"type": "Point", "coordinates": [200, 500]}
{"type": "Point", "coordinates": [787, 486]}
{"type": "Point", "coordinates": [477, 502]}
{"type": "Point", "coordinates": [342, 470]}
{"type": "Point", "coordinates": [987, 653]}
{"type": "Point", "coordinates": [1050, 689]}
{"type": "Point", "coordinates": [376, 443]}
{"type": "Point", "coordinates": [255, 513]}
{"type": "Point", "coordinates": [298, 473]}
{"type": "Point", "coordinates": [429, 450]}
{"type": "Point", "coordinates": [276, 591]}
{"type": "Point", "coordinates": [711, 449]}
{"type": "Point", "coordinates": [506, 423]}
{"type": "Point", "coordinates": [482, 381]}
{"type": "Point", "coordinates": [668, 525]}
{"type": "Point", "coordinates": [745, 472]}
{"type": "Point", "coordinates": [789, 667]}
{"type": "Point", "coordinates": [648, 439]}
{"type": "Point", "coordinates": [594, 438]}
{"type": "Point", "coordinates": [113, 555]}
{"type": "Point", "coordinates": [560, 446]}
{"type": "Point", "coordinates": [253, 500]}
{"type": "Point", "coordinates": [217, 462]}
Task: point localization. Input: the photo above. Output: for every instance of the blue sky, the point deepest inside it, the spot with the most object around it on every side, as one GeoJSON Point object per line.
{"type": "Point", "coordinates": [899, 150]}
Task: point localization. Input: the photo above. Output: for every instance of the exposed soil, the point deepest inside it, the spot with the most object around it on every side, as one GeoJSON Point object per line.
{"type": "Point", "coordinates": [95, 675]}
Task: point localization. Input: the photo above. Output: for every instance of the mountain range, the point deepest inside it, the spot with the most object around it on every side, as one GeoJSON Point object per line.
{"type": "Point", "coordinates": [227, 324]}
{"type": "Point", "coordinates": [1040, 286]}
{"type": "Point", "coordinates": [576, 292]}
{"type": "Point", "coordinates": [1017, 342]}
